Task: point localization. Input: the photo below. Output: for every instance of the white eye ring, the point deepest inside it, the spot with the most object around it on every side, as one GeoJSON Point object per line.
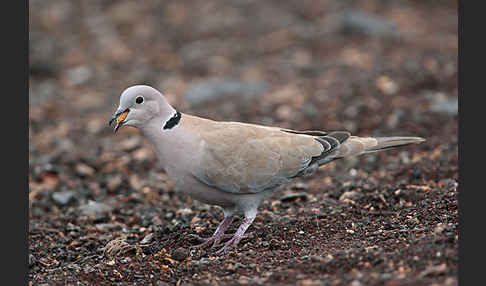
{"type": "Point", "coordinates": [139, 99]}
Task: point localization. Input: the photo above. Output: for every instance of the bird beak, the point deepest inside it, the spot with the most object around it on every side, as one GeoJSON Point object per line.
{"type": "Point", "coordinates": [119, 118]}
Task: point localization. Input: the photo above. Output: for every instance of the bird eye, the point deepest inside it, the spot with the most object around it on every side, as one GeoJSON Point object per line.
{"type": "Point", "coordinates": [139, 100]}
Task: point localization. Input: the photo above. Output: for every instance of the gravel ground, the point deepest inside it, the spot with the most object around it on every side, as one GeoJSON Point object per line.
{"type": "Point", "coordinates": [102, 213]}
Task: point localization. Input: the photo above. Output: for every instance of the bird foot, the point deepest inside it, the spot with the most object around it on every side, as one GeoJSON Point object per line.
{"type": "Point", "coordinates": [200, 238]}
{"type": "Point", "coordinates": [205, 241]}
{"type": "Point", "coordinates": [219, 235]}
{"type": "Point", "coordinates": [215, 239]}
{"type": "Point", "coordinates": [233, 242]}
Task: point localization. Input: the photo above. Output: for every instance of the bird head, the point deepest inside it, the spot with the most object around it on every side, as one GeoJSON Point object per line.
{"type": "Point", "coordinates": [138, 105]}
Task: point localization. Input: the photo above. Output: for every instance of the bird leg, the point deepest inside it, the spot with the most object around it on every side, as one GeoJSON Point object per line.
{"type": "Point", "coordinates": [219, 233]}
{"type": "Point", "coordinates": [233, 242]}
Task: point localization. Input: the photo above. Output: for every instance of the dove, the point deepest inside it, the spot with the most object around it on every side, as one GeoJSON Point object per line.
{"type": "Point", "coordinates": [234, 165]}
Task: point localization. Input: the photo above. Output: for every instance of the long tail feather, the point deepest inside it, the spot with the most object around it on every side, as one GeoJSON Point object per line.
{"type": "Point", "coordinates": [384, 143]}
{"type": "Point", "coordinates": [355, 146]}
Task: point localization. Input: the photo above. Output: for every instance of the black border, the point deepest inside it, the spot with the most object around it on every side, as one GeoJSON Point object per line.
{"type": "Point", "coordinates": [22, 219]}
{"type": "Point", "coordinates": [471, 188]}
{"type": "Point", "coordinates": [15, 125]}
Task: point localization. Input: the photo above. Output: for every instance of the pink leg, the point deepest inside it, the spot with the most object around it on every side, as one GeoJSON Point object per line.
{"type": "Point", "coordinates": [233, 242]}
{"type": "Point", "coordinates": [219, 233]}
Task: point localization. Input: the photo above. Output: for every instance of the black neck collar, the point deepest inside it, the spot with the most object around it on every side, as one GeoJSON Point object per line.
{"type": "Point", "coordinates": [173, 121]}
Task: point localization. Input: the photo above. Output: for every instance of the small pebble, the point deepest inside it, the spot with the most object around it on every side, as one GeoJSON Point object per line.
{"type": "Point", "coordinates": [147, 239]}
{"type": "Point", "coordinates": [63, 198]}
{"type": "Point", "coordinates": [32, 260]}
{"type": "Point", "coordinates": [180, 254]}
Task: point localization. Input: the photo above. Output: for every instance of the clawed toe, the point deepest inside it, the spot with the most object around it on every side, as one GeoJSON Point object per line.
{"type": "Point", "coordinates": [233, 242]}
{"type": "Point", "coordinates": [223, 249]}
{"type": "Point", "coordinates": [200, 238]}
{"type": "Point", "coordinates": [204, 240]}
{"type": "Point", "coordinates": [208, 240]}
{"type": "Point", "coordinates": [219, 235]}
{"type": "Point", "coordinates": [226, 236]}
{"type": "Point", "coordinates": [198, 245]}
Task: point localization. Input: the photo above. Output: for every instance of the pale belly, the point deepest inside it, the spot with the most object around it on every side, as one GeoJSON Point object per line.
{"type": "Point", "coordinates": [240, 203]}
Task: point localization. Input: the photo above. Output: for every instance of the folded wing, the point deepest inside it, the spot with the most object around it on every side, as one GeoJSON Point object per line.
{"type": "Point", "coordinates": [246, 158]}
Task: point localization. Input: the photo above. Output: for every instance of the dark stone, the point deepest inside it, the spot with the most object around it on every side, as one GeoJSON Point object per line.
{"type": "Point", "coordinates": [367, 24]}
{"type": "Point", "coordinates": [180, 254]}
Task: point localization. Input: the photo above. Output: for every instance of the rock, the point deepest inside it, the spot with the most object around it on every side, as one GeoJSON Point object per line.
{"type": "Point", "coordinates": [92, 208]}
{"type": "Point", "coordinates": [309, 282]}
{"type": "Point", "coordinates": [286, 219]}
{"type": "Point", "coordinates": [367, 24]}
{"type": "Point", "coordinates": [386, 85]}
{"type": "Point", "coordinates": [42, 93]}
{"type": "Point", "coordinates": [84, 170]}
{"type": "Point", "coordinates": [184, 211]}
{"type": "Point", "coordinates": [114, 182]}
{"type": "Point", "coordinates": [291, 196]}
{"type": "Point", "coordinates": [350, 195]}
{"type": "Point", "coordinates": [274, 244]}
{"type": "Point", "coordinates": [180, 254]}
{"type": "Point", "coordinates": [100, 218]}
{"type": "Point", "coordinates": [316, 258]}
{"type": "Point", "coordinates": [78, 75]}
{"type": "Point", "coordinates": [142, 154]}
{"type": "Point", "coordinates": [42, 60]}
{"type": "Point", "coordinates": [239, 265]}
{"type": "Point", "coordinates": [310, 111]}
{"type": "Point", "coordinates": [108, 226]}
{"type": "Point", "coordinates": [394, 119]}
{"type": "Point", "coordinates": [300, 186]}
{"type": "Point", "coordinates": [203, 261]}
{"type": "Point", "coordinates": [439, 228]}
{"type": "Point", "coordinates": [131, 143]}
{"type": "Point", "coordinates": [117, 247]}
{"type": "Point", "coordinates": [443, 104]}
{"type": "Point", "coordinates": [205, 91]}
{"type": "Point", "coordinates": [434, 270]}
{"type": "Point", "coordinates": [147, 239]}
{"type": "Point", "coordinates": [285, 113]}
{"type": "Point", "coordinates": [32, 260]}
{"type": "Point", "coordinates": [230, 268]}
{"type": "Point", "coordinates": [63, 198]}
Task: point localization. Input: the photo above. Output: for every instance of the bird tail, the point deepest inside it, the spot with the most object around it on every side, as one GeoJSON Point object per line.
{"type": "Point", "coordinates": [355, 145]}
{"type": "Point", "coordinates": [384, 143]}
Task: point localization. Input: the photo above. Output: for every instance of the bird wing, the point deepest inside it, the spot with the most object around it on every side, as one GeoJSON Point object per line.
{"type": "Point", "coordinates": [246, 158]}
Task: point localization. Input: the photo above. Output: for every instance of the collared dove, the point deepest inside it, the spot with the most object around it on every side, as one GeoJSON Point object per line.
{"type": "Point", "coordinates": [231, 164]}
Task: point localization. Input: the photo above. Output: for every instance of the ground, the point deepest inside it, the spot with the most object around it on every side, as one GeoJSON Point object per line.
{"type": "Point", "coordinates": [102, 213]}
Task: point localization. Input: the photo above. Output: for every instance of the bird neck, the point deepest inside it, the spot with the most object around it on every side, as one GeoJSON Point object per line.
{"type": "Point", "coordinates": [161, 124]}
{"type": "Point", "coordinates": [165, 134]}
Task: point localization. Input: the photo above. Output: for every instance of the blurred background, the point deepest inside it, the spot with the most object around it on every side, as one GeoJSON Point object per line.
{"type": "Point", "coordinates": [372, 67]}
{"type": "Point", "coordinates": [366, 66]}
